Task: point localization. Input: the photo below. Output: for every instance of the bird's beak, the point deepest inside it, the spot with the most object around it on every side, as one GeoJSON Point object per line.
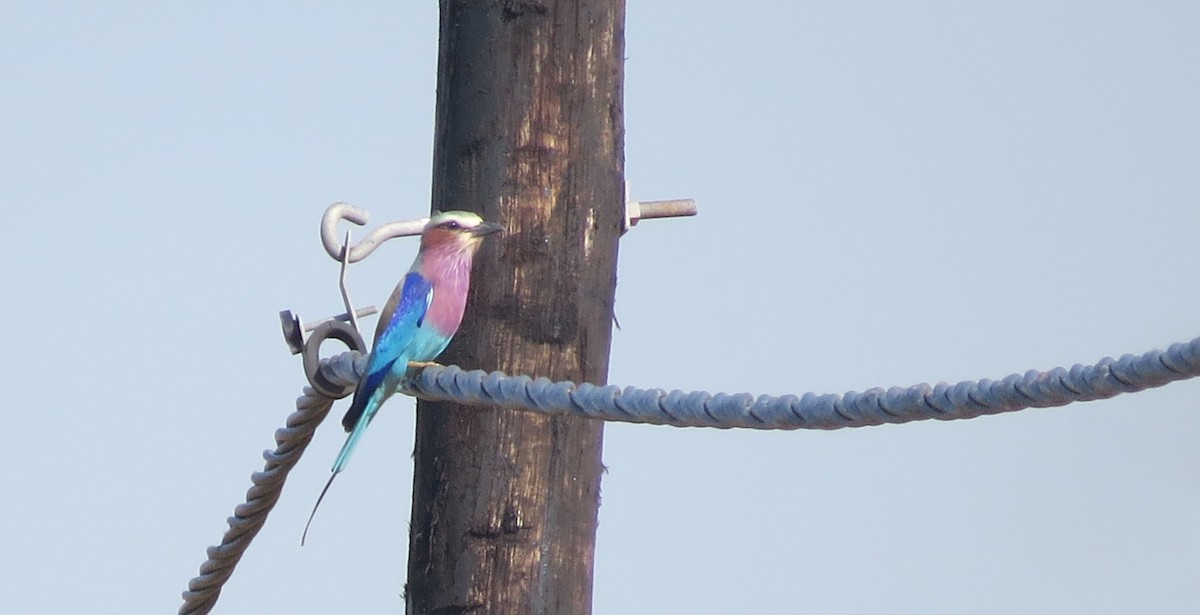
{"type": "Point", "coordinates": [486, 228]}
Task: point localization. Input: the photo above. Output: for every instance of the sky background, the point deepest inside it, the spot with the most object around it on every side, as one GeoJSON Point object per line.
{"type": "Point", "coordinates": [889, 194]}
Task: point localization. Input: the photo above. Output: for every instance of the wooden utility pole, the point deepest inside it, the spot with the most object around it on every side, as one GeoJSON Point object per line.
{"type": "Point", "coordinates": [529, 133]}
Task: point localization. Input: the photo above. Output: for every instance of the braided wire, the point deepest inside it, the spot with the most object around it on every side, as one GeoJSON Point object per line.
{"type": "Point", "coordinates": [968, 399]}
{"type": "Point", "coordinates": [249, 517]}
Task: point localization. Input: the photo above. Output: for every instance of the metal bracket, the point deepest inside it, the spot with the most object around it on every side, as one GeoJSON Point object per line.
{"type": "Point", "coordinates": [343, 327]}
{"type": "Point", "coordinates": [293, 329]}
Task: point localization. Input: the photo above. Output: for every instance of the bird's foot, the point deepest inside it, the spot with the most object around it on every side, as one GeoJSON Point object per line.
{"type": "Point", "coordinates": [414, 368]}
{"type": "Point", "coordinates": [423, 364]}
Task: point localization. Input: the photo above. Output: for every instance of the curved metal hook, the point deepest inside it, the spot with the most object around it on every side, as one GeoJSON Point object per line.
{"type": "Point", "coordinates": [345, 211]}
{"type": "Point", "coordinates": [341, 332]}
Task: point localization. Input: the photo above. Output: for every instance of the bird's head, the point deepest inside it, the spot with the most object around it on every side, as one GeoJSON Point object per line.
{"type": "Point", "coordinates": [456, 231]}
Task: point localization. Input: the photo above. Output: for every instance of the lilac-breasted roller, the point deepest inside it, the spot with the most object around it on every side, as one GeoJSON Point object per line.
{"type": "Point", "coordinates": [418, 321]}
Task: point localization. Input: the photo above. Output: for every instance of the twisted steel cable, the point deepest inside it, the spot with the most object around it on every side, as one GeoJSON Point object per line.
{"type": "Point", "coordinates": [249, 517]}
{"type": "Point", "coordinates": [968, 399]}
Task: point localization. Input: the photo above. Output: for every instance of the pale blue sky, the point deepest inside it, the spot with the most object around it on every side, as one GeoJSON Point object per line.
{"type": "Point", "coordinates": [890, 193]}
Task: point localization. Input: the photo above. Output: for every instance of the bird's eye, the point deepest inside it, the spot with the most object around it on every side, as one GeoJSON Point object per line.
{"type": "Point", "coordinates": [451, 225]}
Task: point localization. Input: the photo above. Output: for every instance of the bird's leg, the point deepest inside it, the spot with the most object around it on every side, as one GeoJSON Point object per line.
{"type": "Point", "coordinates": [423, 364]}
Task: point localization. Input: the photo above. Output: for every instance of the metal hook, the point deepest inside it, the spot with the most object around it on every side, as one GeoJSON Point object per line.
{"type": "Point", "coordinates": [352, 254]}
{"type": "Point", "coordinates": [342, 283]}
{"type": "Point", "coordinates": [335, 328]}
{"type": "Point", "coordinates": [294, 330]}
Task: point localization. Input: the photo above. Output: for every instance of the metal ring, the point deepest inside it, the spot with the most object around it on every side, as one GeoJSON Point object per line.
{"type": "Point", "coordinates": [341, 332]}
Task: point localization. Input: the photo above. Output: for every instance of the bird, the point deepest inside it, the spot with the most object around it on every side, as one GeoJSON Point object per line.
{"type": "Point", "coordinates": [417, 323]}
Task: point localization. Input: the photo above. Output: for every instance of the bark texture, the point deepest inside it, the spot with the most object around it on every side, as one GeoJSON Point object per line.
{"type": "Point", "coordinates": [529, 133]}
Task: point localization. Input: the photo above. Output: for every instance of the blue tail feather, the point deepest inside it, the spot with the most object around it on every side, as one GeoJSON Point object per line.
{"type": "Point", "coordinates": [369, 410]}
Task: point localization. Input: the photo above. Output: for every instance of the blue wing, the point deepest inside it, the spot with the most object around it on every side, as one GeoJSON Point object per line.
{"type": "Point", "coordinates": [403, 316]}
